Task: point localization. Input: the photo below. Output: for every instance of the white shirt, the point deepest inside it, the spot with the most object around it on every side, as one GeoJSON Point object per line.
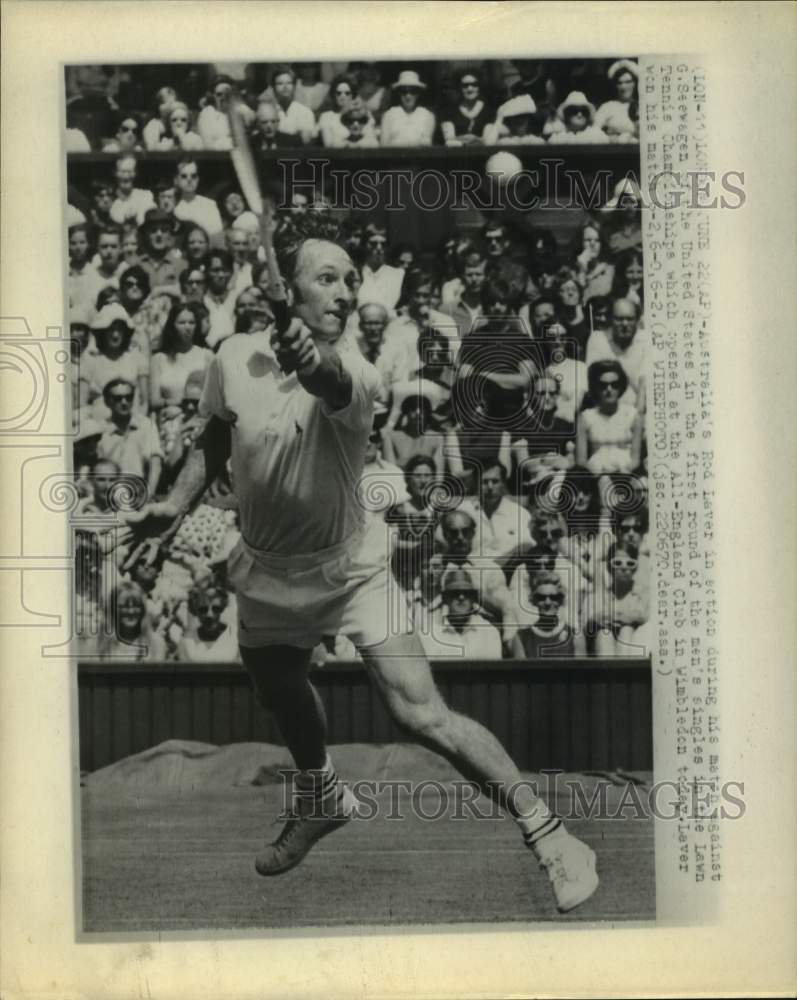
{"type": "Point", "coordinates": [600, 347]}
{"type": "Point", "coordinates": [502, 533]}
{"type": "Point", "coordinates": [134, 206]}
{"type": "Point", "coordinates": [201, 211]}
{"type": "Point", "coordinates": [296, 463]}
{"type": "Point", "coordinates": [221, 318]}
{"type": "Point", "coordinates": [382, 287]}
{"type": "Point", "coordinates": [402, 129]}
{"type": "Point", "coordinates": [297, 120]}
{"type": "Point", "coordinates": [478, 640]}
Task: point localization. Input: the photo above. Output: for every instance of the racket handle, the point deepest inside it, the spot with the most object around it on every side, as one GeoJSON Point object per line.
{"type": "Point", "coordinates": [282, 315]}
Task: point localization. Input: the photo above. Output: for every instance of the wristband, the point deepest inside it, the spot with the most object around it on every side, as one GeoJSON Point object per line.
{"type": "Point", "coordinates": [311, 365]}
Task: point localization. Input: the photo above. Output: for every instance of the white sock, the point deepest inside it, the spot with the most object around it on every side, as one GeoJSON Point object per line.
{"type": "Point", "coordinates": [318, 783]}
{"type": "Point", "coordinates": [534, 828]}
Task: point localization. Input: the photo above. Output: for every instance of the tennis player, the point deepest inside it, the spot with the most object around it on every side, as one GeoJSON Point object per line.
{"type": "Point", "coordinates": [294, 410]}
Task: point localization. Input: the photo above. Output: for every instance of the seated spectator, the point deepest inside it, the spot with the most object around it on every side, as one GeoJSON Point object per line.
{"type": "Point", "coordinates": [551, 636]}
{"type": "Point", "coordinates": [414, 435]}
{"type": "Point", "coordinates": [629, 276]}
{"type": "Point", "coordinates": [570, 310]}
{"type": "Point", "coordinates": [623, 219]}
{"type": "Point", "coordinates": [182, 352]}
{"type": "Point", "coordinates": [457, 629]}
{"type": "Point", "coordinates": [457, 548]}
{"type": "Point", "coordinates": [129, 634]}
{"type": "Point", "coordinates": [161, 261]}
{"type": "Point", "coordinates": [127, 137]}
{"type": "Point", "coordinates": [131, 203]}
{"type": "Point", "coordinates": [466, 307]}
{"type": "Point", "coordinates": [562, 364]}
{"type": "Point", "coordinates": [631, 529]}
{"type": "Point", "coordinates": [479, 436]}
{"type": "Point", "coordinates": [220, 297]}
{"type": "Point", "coordinates": [373, 94]}
{"type": "Point", "coordinates": [147, 312]}
{"type": "Point", "coordinates": [578, 115]}
{"type": "Point", "coordinates": [609, 437]}
{"type": "Point", "coordinates": [515, 124]}
{"type": "Point", "coordinates": [404, 256]}
{"type": "Point", "coordinates": [356, 121]}
{"type": "Point", "coordinates": [618, 605]}
{"type": "Point", "coordinates": [156, 127]}
{"type": "Point", "coordinates": [194, 207]}
{"type": "Point", "coordinates": [549, 551]}
{"type": "Point", "coordinates": [541, 440]}
{"type": "Point", "coordinates": [594, 272]}
{"type": "Point", "coordinates": [464, 122]}
{"type": "Point", "coordinates": [178, 134]}
{"type": "Point", "coordinates": [83, 282]}
{"type": "Point", "coordinates": [334, 134]}
{"type": "Point", "coordinates": [213, 123]}
{"type": "Point", "coordinates": [310, 90]}
{"type": "Point", "coordinates": [267, 136]}
{"type": "Point", "coordinates": [115, 358]}
{"type": "Point", "coordinates": [623, 111]}
{"type": "Point", "coordinates": [451, 253]}
{"type": "Point", "coordinates": [626, 344]}
{"type": "Point", "coordinates": [193, 285]}
{"type": "Point", "coordinates": [209, 639]}
{"type": "Point", "coordinates": [108, 261]}
{"type": "Point", "coordinates": [502, 523]}
{"type": "Point", "coordinates": [370, 336]}
{"type": "Point", "coordinates": [130, 245]}
{"type": "Point", "coordinates": [130, 440]}
{"type": "Point", "coordinates": [497, 243]}
{"type": "Point", "coordinates": [102, 196]}
{"type": "Point", "coordinates": [196, 245]}
{"type": "Point", "coordinates": [408, 123]}
{"type": "Point", "coordinates": [415, 520]}
{"type": "Point", "coordinates": [381, 282]}
{"type": "Point", "coordinates": [295, 119]}
{"type": "Point", "coordinates": [239, 245]}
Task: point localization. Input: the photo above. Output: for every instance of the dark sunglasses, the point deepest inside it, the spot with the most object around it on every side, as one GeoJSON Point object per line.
{"type": "Point", "coordinates": [459, 594]}
{"type": "Point", "coordinates": [546, 598]}
{"type": "Point", "coordinates": [125, 397]}
{"type": "Point", "coordinates": [623, 564]}
{"type": "Point", "coordinates": [613, 384]}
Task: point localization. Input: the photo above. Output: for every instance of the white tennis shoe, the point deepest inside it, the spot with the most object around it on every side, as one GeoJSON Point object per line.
{"type": "Point", "coordinates": [570, 865]}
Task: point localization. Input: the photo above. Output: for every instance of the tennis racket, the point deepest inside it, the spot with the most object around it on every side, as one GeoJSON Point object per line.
{"type": "Point", "coordinates": [243, 162]}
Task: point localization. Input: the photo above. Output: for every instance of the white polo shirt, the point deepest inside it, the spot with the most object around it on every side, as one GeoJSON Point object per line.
{"type": "Point", "coordinates": [201, 211]}
{"type": "Point", "coordinates": [295, 462]}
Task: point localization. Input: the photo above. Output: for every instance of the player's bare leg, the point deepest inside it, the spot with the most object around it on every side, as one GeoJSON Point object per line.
{"type": "Point", "coordinates": [321, 803]}
{"type": "Point", "coordinates": [402, 674]}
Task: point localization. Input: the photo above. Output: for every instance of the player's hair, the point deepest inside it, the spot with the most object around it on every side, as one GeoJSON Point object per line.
{"type": "Point", "coordinates": [296, 231]}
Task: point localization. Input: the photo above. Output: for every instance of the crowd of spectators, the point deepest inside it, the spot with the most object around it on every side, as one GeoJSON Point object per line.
{"type": "Point", "coordinates": [354, 105]}
{"type": "Point", "coordinates": [506, 470]}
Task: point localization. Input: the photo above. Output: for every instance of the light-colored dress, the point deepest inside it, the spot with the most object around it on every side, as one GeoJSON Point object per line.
{"type": "Point", "coordinates": [609, 438]}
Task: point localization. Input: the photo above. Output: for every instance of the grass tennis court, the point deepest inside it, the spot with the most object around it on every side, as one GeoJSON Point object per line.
{"type": "Point", "coordinates": [179, 856]}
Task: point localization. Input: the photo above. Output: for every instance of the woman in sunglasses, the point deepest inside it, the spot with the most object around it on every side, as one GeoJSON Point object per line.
{"type": "Point", "coordinates": [127, 138]}
{"type": "Point", "coordinates": [609, 433]}
{"type": "Point", "coordinates": [209, 637]}
{"type": "Point", "coordinates": [551, 636]}
{"type": "Point", "coordinates": [618, 604]}
{"type": "Point", "coordinates": [342, 97]}
{"type": "Point", "coordinates": [464, 122]}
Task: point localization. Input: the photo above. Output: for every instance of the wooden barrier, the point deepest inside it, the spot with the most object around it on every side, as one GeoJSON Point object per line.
{"type": "Point", "coordinates": [578, 716]}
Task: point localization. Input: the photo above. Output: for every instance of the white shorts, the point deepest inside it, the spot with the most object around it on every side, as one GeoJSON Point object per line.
{"type": "Point", "coordinates": [296, 600]}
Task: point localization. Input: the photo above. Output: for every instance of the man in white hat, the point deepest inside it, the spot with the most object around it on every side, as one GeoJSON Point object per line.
{"type": "Point", "coordinates": [407, 123]}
